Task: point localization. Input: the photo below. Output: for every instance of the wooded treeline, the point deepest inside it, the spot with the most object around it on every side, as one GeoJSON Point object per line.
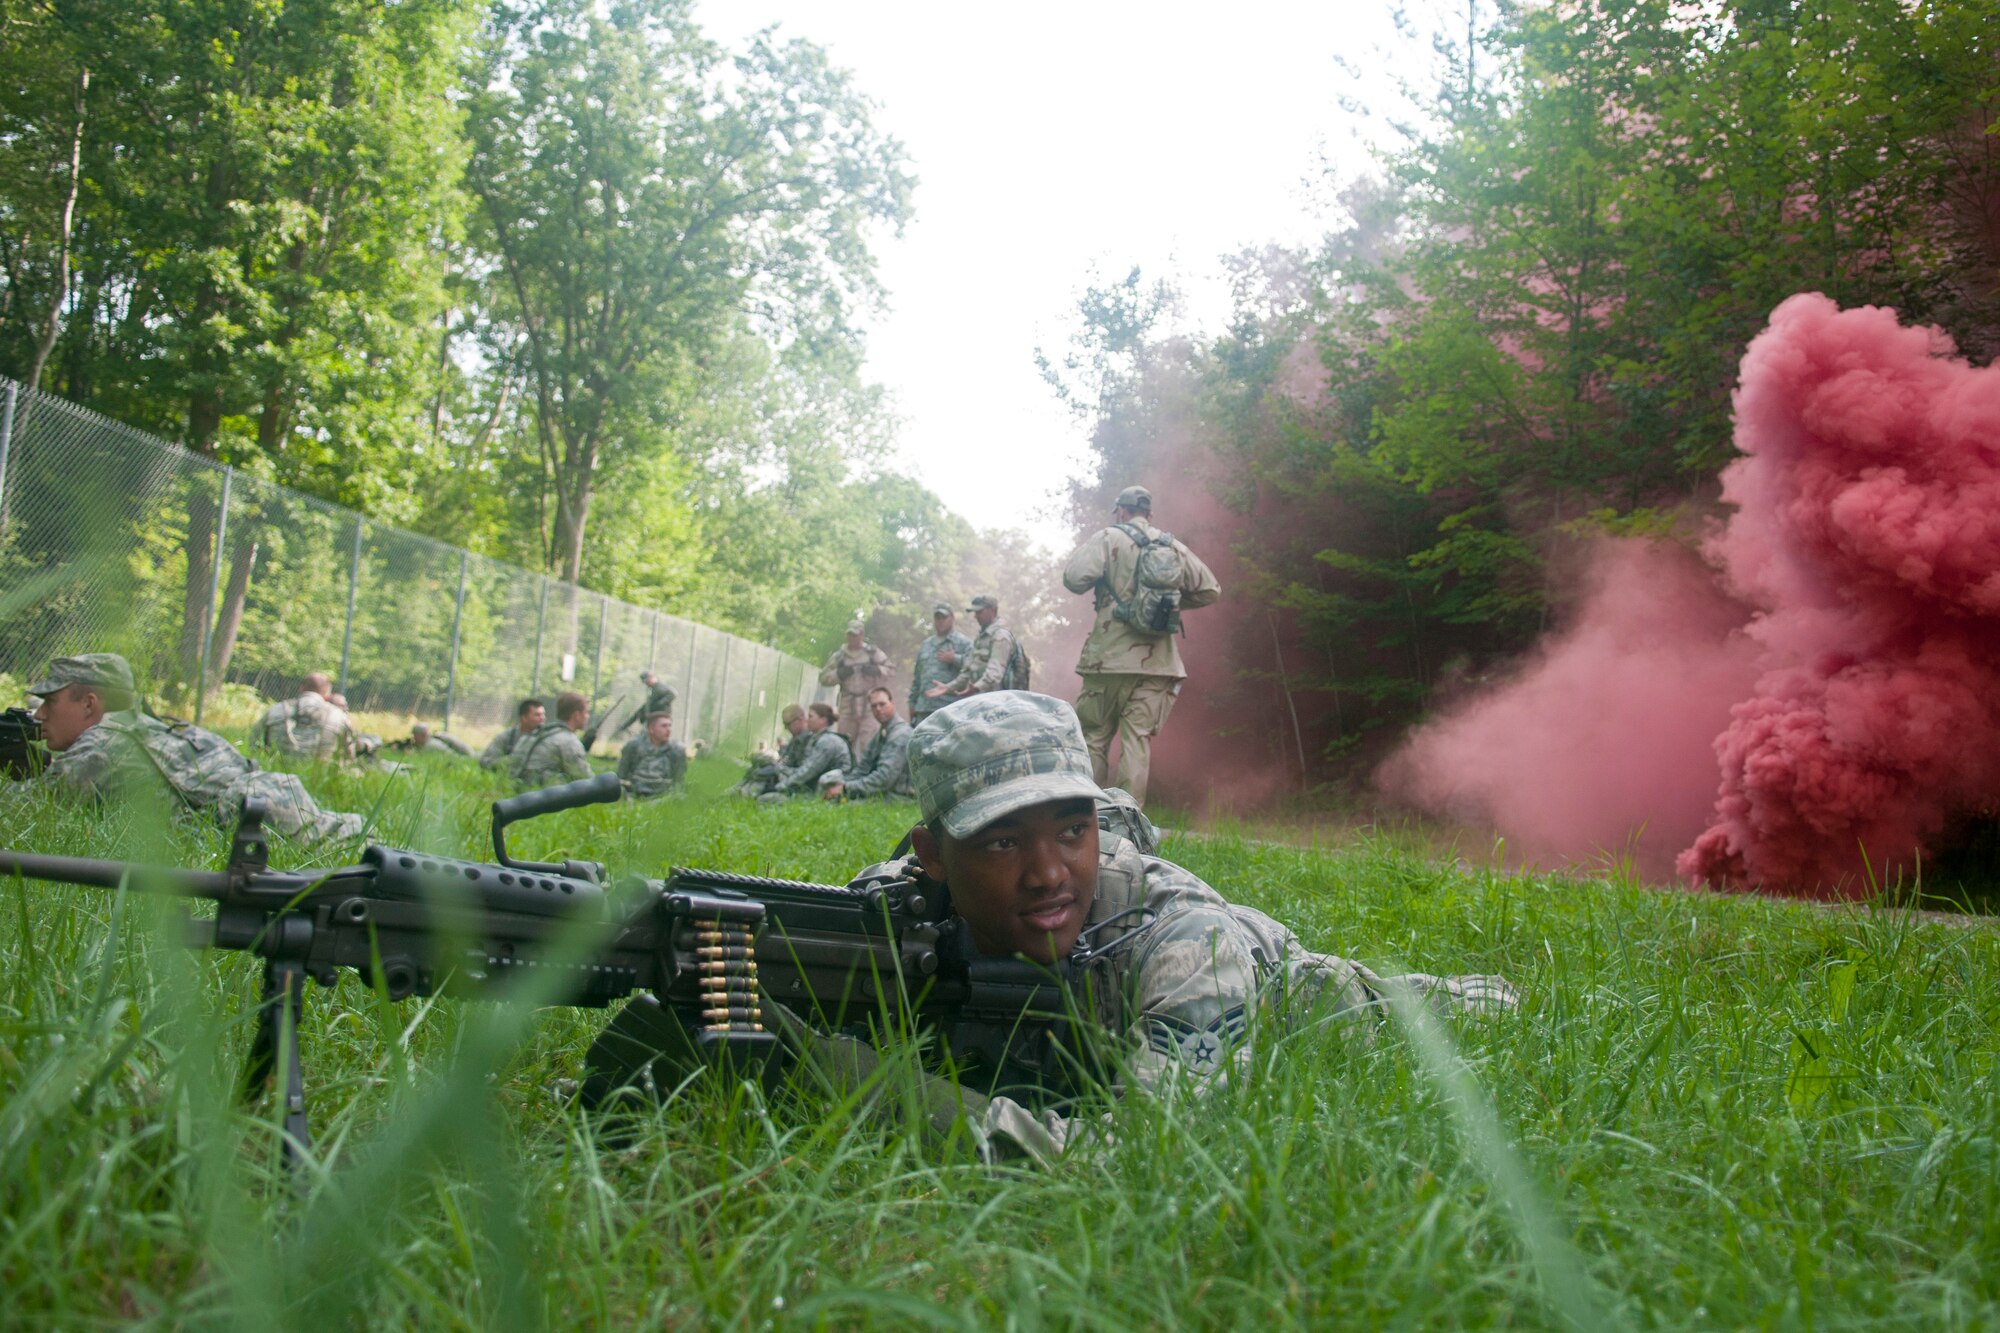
{"type": "Point", "coordinates": [1527, 325]}
{"type": "Point", "coordinates": [561, 281]}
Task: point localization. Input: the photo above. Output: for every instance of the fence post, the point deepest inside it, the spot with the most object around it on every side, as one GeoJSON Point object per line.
{"type": "Point", "coordinates": [6, 446]}
{"type": "Point", "coordinates": [214, 593]}
{"type": "Point", "coordinates": [541, 615]}
{"type": "Point", "coordinates": [457, 617]}
{"type": "Point", "coordinates": [597, 659]}
{"type": "Point", "coordinates": [722, 696]}
{"type": "Point", "coordinates": [653, 642]}
{"type": "Point", "coordinates": [353, 586]}
{"type": "Point", "coordinates": [687, 683]}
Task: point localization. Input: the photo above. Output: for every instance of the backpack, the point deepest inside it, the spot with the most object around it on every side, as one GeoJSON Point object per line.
{"type": "Point", "coordinates": [1019, 668]}
{"type": "Point", "coordinates": [1153, 607]}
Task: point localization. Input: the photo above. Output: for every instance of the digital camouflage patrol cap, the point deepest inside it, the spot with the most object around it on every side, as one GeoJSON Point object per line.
{"type": "Point", "coordinates": [856, 627]}
{"type": "Point", "coordinates": [106, 670]}
{"type": "Point", "coordinates": [992, 754]}
{"type": "Point", "coordinates": [941, 609]}
{"type": "Point", "coordinates": [1136, 498]}
{"type": "Point", "coordinates": [984, 602]}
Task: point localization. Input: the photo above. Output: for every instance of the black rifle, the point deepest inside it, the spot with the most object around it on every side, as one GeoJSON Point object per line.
{"type": "Point", "coordinates": [22, 754]}
{"type": "Point", "coordinates": [710, 950]}
{"type": "Point", "coordinates": [589, 733]}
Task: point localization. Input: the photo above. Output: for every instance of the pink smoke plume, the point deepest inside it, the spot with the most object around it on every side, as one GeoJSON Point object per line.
{"type": "Point", "coordinates": [1602, 747]}
{"type": "Point", "coordinates": [1867, 532]}
{"type": "Point", "coordinates": [1854, 715]}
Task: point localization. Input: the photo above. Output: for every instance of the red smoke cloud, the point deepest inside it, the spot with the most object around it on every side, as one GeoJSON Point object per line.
{"type": "Point", "coordinates": [1866, 682]}
{"type": "Point", "coordinates": [1868, 532]}
{"type": "Point", "coordinates": [1603, 744]}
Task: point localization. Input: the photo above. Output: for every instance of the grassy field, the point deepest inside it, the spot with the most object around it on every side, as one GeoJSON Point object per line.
{"type": "Point", "coordinates": [1712, 1113]}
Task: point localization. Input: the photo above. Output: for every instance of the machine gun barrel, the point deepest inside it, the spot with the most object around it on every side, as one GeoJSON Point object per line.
{"type": "Point", "coordinates": [173, 880]}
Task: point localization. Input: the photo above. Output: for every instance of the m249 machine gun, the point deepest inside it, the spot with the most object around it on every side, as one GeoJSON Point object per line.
{"type": "Point", "coordinates": [706, 952]}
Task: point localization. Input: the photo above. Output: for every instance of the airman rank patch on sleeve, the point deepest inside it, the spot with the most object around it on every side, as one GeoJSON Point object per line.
{"type": "Point", "coordinates": [1199, 1047]}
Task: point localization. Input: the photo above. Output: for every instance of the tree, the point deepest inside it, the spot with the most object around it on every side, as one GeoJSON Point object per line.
{"type": "Point", "coordinates": [639, 194]}
{"type": "Point", "coordinates": [265, 191]}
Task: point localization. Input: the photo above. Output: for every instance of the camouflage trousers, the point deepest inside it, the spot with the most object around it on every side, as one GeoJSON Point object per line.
{"type": "Point", "coordinates": [288, 808]}
{"type": "Point", "coordinates": [1134, 709]}
{"type": "Point", "coordinates": [856, 722]}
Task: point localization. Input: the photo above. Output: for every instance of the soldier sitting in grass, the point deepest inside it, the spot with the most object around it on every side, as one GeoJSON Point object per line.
{"type": "Point", "coordinates": [529, 716]}
{"type": "Point", "coordinates": [105, 746]}
{"type": "Point", "coordinates": [1010, 827]}
{"type": "Point", "coordinates": [826, 750]}
{"type": "Point", "coordinates": [654, 763]}
{"type": "Point", "coordinates": [883, 768]}
{"type": "Point", "coordinates": [554, 753]}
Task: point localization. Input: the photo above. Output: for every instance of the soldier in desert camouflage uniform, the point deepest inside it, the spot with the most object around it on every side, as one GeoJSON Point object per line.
{"type": "Point", "coordinates": [106, 747]}
{"type": "Point", "coordinates": [554, 753]}
{"type": "Point", "coordinates": [1176, 971]}
{"type": "Point", "coordinates": [883, 769]}
{"type": "Point", "coordinates": [311, 726]}
{"type": "Point", "coordinates": [856, 667]}
{"type": "Point", "coordinates": [654, 763]}
{"type": "Point", "coordinates": [1130, 678]}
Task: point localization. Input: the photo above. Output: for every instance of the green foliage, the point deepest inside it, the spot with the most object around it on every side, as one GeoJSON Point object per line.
{"type": "Point", "coordinates": [1537, 311]}
{"type": "Point", "coordinates": [1642, 1141]}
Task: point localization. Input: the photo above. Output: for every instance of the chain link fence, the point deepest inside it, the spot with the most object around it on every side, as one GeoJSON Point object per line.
{"type": "Point", "coordinates": [219, 586]}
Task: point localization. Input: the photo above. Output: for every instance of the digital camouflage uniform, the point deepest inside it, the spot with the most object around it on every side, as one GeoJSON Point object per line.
{"type": "Point", "coordinates": [440, 742]}
{"type": "Point", "coordinates": [856, 671]}
{"type": "Point", "coordinates": [763, 776]}
{"type": "Point", "coordinates": [129, 753]}
{"type": "Point", "coordinates": [985, 666]}
{"type": "Point", "coordinates": [824, 753]}
{"type": "Point", "coordinates": [309, 726]}
{"type": "Point", "coordinates": [1170, 967]}
{"type": "Point", "coordinates": [501, 748]}
{"type": "Point", "coordinates": [647, 769]}
{"type": "Point", "coordinates": [882, 770]}
{"type": "Point", "coordinates": [929, 671]}
{"type": "Point", "coordinates": [552, 754]}
{"type": "Point", "coordinates": [1130, 680]}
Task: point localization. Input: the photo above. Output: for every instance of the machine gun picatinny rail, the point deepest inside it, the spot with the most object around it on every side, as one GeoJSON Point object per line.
{"type": "Point", "coordinates": [706, 952]}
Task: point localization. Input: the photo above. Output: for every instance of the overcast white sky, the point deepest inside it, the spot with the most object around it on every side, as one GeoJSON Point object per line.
{"type": "Point", "coordinates": [1057, 143]}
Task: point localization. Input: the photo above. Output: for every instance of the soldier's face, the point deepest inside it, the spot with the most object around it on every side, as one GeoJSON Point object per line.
{"type": "Point", "coordinates": [796, 725]}
{"type": "Point", "coordinates": [66, 715]}
{"type": "Point", "coordinates": [985, 615]}
{"type": "Point", "coordinates": [661, 729]}
{"type": "Point", "coordinates": [883, 708]}
{"type": "Point", "coordinates": [942, 625]}
{"type": "Point", "coordinates": [816, 724]}
{"type": "Point", "coordinates": [534, 717]}
{"type": "Point", "coordinates": [1024, 883]}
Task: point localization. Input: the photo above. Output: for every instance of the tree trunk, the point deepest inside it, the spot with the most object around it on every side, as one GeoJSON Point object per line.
{"type": "Point", "coordinates": [241, 564]}
{"type": "Point", "coordinates": [572, 512]}
{"type": "Point", "coordinates": [204, 425]}
{"type": "Point", "coordinates": [53, 324]}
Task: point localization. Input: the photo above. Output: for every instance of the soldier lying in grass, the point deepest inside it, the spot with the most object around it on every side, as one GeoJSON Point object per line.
{"type": "Point", "coordinates": [108, 747]}
{"type": "Point", "coordinates": [1010, 827]}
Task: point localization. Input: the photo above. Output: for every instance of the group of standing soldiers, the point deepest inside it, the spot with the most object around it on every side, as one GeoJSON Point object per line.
{"type": "Point", "coordinates": [1139, 578]}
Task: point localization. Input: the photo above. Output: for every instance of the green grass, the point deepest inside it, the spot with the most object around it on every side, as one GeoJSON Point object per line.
{"type": "Point", "coordinates": [1712, 1112]}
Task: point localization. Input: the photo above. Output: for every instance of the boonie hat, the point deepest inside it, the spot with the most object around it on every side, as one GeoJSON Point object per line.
{"type": "Point", "coordinates": [1135, 498]}
{"type": "Point", "coordinates": [108, 670]}
{"type": "Point", "coordinates": [983, 602]}
{"type": "Point", "coordinates": [980, 758]}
